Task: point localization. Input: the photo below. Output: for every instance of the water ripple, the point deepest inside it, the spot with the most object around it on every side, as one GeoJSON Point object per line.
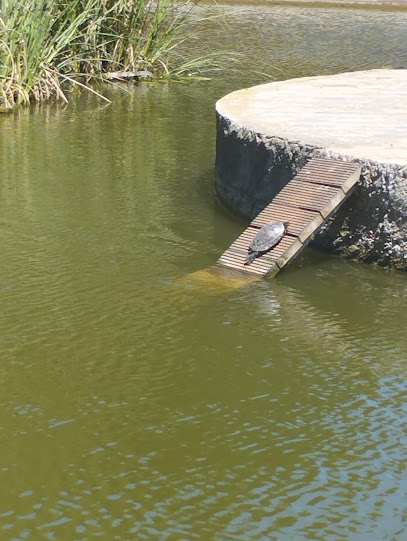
{"type": "Point", "coordinates": [135, 407]}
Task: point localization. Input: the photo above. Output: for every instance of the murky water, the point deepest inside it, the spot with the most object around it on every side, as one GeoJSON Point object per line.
{"type": "Point", "coordinates": [137, 406]}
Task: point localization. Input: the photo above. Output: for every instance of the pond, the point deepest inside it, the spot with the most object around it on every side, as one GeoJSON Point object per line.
{"type": "Point", "coordinates": [137, 406]}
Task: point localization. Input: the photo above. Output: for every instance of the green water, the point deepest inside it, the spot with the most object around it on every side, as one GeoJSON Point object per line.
{"type": "Point", "coordinates": [135, 405]}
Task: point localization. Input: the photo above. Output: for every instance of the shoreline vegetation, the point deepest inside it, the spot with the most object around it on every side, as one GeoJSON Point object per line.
{"type": "Point", "coordinates": [49, 46]}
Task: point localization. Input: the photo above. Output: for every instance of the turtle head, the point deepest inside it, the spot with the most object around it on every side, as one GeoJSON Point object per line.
{"type": "Point", "coordinates": [286, 224]}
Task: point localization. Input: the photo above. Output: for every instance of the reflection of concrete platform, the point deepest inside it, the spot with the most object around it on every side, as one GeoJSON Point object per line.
{"type": "Point", "coordinates": [268, 132]}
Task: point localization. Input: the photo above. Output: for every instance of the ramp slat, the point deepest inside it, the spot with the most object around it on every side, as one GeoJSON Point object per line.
{"type": "Point", "coordinates": [307, 201]}
{"type": "Point", "coordinates": [303, 222]}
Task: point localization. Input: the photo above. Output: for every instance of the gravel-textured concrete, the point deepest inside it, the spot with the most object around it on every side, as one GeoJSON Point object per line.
{"type": "Point", "coordinates": [268, 132]}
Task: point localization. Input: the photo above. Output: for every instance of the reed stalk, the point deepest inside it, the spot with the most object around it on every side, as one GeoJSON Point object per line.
{"type": "Point", "coordinates": [46, 46]}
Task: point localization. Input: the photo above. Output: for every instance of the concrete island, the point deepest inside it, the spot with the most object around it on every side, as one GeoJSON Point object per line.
{"type": "Point", "coordinates": [267, 133]}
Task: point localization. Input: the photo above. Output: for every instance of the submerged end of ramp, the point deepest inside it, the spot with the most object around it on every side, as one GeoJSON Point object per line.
{"type": "Point", "coordinates": [217, 279]}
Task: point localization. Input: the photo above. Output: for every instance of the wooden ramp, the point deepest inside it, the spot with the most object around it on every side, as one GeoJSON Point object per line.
{"type": "Point", "coordinates": [307, 202]}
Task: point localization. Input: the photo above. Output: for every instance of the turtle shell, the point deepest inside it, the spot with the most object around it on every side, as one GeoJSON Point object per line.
{"type": "Point", "coordinates": [268, 236]}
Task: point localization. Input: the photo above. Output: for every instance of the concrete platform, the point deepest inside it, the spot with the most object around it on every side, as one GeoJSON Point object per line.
{"type": "Point", "coordinates": [361, 114]}
{"type": "Point", "coordinates": [266, 133]}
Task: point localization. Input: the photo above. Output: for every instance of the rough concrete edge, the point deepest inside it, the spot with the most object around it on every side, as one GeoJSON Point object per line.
{"type": "Point", "coordinates": [371, 225]}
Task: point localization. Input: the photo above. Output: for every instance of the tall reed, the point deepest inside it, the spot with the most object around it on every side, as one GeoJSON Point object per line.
{"type": "Point", "coordinates": [45, 44]}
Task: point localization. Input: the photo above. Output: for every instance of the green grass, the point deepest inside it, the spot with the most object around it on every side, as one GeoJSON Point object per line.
{"type": "Point", "coordinates": [46, 46]}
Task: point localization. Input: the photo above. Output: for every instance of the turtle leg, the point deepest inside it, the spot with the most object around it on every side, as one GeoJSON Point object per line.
{"type": "Point", "coordinates": [251, 256]}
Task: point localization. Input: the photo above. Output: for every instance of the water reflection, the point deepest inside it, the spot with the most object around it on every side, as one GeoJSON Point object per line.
{"type": "Point", "coordinates": [283, 42]}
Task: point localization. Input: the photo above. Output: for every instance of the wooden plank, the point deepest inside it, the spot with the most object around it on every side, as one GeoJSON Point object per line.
{"type": "Point", "coordinates": [236, 261]}
{"type": "Point", "coordinates": [266, 264]}
{"type": "Point", "coordinates": [333, 172]}
{"type": "Point", "coordinates": [306, 202]}
{"type": "Point", "coordinates": [275, 211]}
{"type": "Point", "coordinates": [310, 196]}
{"type": "Point", "coordinates": [345, 182]}
{"type": "Point", "coordinates": [296, 190]}
{"type": "Point", "coordinates": [290, 253]}
{"type": "Point", "coordinates": [241, 249]}
{"type": "Point", "coordinates": [240, 267]}
{"type": "Point", "coordinates": [331, 164]}
{"type": "Point", "coordinates": [302, 222]}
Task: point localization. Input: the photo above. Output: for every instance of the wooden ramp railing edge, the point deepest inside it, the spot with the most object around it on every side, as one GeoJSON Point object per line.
{"type": "Point", "coordinates": [306, 202]}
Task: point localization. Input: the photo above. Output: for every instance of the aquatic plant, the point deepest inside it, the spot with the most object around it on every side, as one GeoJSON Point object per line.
{"type": "Point", "coordinates": [45, 44]}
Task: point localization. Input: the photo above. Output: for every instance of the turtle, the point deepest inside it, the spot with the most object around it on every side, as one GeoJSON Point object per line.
{"type": "Point", "coordinates": [267, 237]}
